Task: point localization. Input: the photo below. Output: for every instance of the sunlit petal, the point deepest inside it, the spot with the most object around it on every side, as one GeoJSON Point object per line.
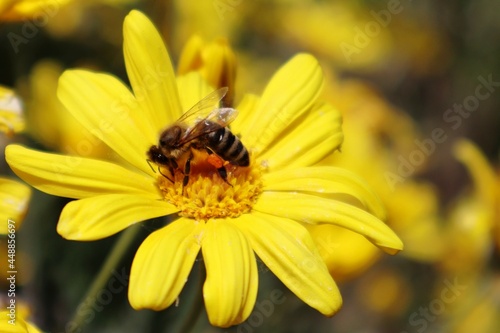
{"type": "Point", "coordinates": [231, 286]}
{"type": "Point", "coordinates": [289, 252]}
{"type": "Point", "coordinates": [307, 141]}
{"type": "Point", "coordinates": [150, 70]}
{"type": "Point", "coordinates": [162, 264]}
{"type": "Point", "coordinates": [102, 104]}
{"type": "Point", "coordinates": [314, 209]}
{"type": "Point", "coordinates": [325, 179]}
{"type": "Point", "coordinates": [104, 215]}
{"type": "Point", "coordinates": [76, 177]}
{"type": "Point", "coordinates": [291, 92]}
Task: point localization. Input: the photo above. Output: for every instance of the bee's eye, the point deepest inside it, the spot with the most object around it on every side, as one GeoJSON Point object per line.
{"type": "Point", "coordinates": [161, 158]}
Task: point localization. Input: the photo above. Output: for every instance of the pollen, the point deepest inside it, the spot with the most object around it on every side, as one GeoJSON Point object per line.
{"type": "Point", "coordinates": [207, 195]}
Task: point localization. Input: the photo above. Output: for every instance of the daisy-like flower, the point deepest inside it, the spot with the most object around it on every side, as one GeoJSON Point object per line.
{"type": "Point", "coordinates": [261, 211]}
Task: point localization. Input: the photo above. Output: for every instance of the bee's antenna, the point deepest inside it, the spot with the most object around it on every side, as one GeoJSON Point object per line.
{"type": "Point", "coordinates": [149, 163]}
{"type": "Point", "coordinates": [159, 170]}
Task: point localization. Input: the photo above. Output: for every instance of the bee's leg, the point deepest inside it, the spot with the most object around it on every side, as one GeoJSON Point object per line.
{"type": "Point", "coordinates": [223, 174]}
{"type": "Point", "coordinates": [187, 170]}
{"type": "Point", "coordinates": [218, 163]}
{"type": "Point", "coordinates": [164, 175]}
{"type": "Point", "coordinates": [172, 166]}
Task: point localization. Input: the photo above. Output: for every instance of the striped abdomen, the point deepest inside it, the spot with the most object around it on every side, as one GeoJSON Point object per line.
{"type": "Point", "coordinates": [228, 146]}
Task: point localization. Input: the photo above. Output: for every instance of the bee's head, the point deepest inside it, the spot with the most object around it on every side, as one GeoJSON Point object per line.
{"type": "Point", "coordinates": [170, 138]}
{"type": "Point", "coordinates": [155, 155]}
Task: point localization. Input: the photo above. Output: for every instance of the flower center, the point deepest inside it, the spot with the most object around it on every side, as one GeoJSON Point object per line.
{"type": "Point", "coordinates": [207, 195]}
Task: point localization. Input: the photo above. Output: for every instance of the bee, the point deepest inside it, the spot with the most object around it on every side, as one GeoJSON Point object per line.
{"type": "Point", "coordinates": [193, 131]}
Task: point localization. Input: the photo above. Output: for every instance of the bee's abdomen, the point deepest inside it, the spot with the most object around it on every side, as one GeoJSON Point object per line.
{"type": "Point", "coordinates": [228, 146]}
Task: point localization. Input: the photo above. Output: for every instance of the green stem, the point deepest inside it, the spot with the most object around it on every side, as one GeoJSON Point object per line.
{"type": "Point", "coordinates": [119, 249]}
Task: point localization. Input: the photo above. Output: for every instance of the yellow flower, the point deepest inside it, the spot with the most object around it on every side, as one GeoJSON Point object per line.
{"type": "Point", "coordinates": [11, 115]}
{"type": "Point", "coordinates": [14, 199]}
{"type": "Point", "coordinates": [215, 61]}
{"type": "Point", "coordinates": [16, 322]}
{"type": "Point", "coordinates": [14, 10]}
{"type": "Point", "coordinates": [375, 135]}
{"type": "Point", "coordinates": [287, 131]}
{"type": "Point", "coordinates": [474, 217]}
{"type": "Point", "coordinates": [50, 123]}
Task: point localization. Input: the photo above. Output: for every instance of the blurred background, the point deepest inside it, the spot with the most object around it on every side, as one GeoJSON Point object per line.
{"type": "Point", "coordinates": [418, 84]}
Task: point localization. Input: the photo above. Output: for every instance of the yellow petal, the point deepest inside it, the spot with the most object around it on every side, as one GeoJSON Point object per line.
{"type": "Point", "coordinates": [192, 88]}
{"type": "Point", "coordinates": [288, 250]}
{"type": "Point", "coordinates": [292, 91]}
{"type": "Point", "coordinates": [14, 200]}
{"type": "Point", "coordinates": [162, 264]}
{"type": "Point", "coordinates": [231, 286]}
{"type": "Point", "coordinates": [104, 215]}
{"type": "Point", "coordinates": [346, 254]}
{"type": "Point", "coordinates": [246, 110]}
{"type": "Point", "coordinates": [479, 168]}
{"type": "Point", "coordinates": [76, 177]}
{"type": "Point", "coordinates": [150, 70]}
{"type": "Point", "coordinates": [309, 141]}
{"type": "Point", "coordinates": [325, 179]}
{"type": "Point", "coordinates": [105, 107]}
{"type": "Point", "coordinates": [314, 209]}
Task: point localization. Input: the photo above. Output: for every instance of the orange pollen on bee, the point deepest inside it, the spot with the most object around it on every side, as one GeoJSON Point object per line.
{"type": "Point", "coordinates": [215, 160]}
{"type": "Point", "coordinates": [207, 195]}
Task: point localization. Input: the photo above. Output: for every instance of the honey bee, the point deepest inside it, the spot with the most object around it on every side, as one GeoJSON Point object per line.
{"type": "Point", "coordinates": [195, 131]}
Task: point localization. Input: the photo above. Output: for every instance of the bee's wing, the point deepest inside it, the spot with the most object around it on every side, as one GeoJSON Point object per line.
{"type": "Point", "coordinates": [216, 119]}
{"type": "Point", "coordinates": [222, 116]}
{"type": "Point", "coordinates": [198, 111]}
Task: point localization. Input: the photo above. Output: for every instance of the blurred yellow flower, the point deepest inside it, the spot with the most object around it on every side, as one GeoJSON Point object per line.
{"type": "Point", "coordinates": [385, 291]}
{"type": "Point", "coordinates": [263, 209]}
{"type": "Point", "coordinates": [473, 221]}
{"type": "Point", "coordinates": [477, 308]}
{"type": "Point", "coordinates": [11, 112]}
{"type": "Point", "coordinates": [16, 322]}
{"type": "Point", "coordinates": [50, 123]}
{"type": "Point", "coordinates": [346, 253]}
{"type": "Point", "coordinates": [14, 200]}
{"type": "Point", "coordinates": [216, 62]}
{"type": "Point", "coordinates": [18, 10]}
{"type": "Point", "coordinates": [375, 135]}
